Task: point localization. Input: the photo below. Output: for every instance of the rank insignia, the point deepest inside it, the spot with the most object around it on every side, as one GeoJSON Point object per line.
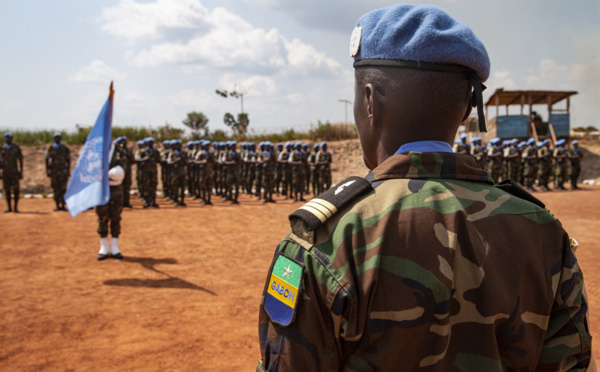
{"type": "Point", "coordinates": [283, 290]}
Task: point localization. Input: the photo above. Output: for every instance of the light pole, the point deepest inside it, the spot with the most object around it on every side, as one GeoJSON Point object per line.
{"type": "Point", "coordinates": [346, 103]}
{"type": "Point", "coordinates": [237, 92]}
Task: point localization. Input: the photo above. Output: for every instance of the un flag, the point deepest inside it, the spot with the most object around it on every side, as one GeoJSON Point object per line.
{"type": "Point", "coordinates": [88, 186]}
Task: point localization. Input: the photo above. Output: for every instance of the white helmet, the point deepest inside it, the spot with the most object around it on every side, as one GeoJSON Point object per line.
{"type": "Point", "coordinates": [116, 176]}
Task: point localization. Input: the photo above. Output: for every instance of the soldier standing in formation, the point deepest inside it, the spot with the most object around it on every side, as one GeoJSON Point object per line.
{"type": "Point", "coordinates": [574, 156]}
{"type": "Point", "coordinates": [11, 163]}
{"type": "Point", "coordinates": [323, 161]}
{"type": "Point", "coordinates": [560, 164]}
{"type": "Point", "coordinates": [58, 167]}
{"type": "Point", "coordinates": [149, 159]}
{"type": "Point", "coordinates": [544, 164]}
{"type": "Point", "coordinates": [178, 160]}
{"type": "Point", "coordinates": [529, 156]}
{"type": "Point", "coordinates": [128, 162]}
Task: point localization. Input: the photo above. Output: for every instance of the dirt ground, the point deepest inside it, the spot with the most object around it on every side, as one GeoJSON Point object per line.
{"type": "Point", "coordinates": [186, 296]}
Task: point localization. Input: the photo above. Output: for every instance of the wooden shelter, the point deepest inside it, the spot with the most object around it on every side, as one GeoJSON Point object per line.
{"type": "Point", "coordinates": [530, 124]}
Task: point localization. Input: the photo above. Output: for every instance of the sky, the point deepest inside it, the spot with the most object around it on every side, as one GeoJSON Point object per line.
{"type": "Point", "coordinates": [289, 58]}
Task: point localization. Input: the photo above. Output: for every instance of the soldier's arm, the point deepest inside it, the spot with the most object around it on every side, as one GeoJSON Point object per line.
{"type": "Point", "coordinates": [300, 336]}
{"type": "Point", "coordinates": [20, 164]}
{"type": "Point", "coordinates": [567, 344]}
{"type": "Point", "coordinates": [47, 158]}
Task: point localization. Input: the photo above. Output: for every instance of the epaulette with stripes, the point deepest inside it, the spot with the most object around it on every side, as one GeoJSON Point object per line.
{"type": "Point", "coordinates": [317, 211]}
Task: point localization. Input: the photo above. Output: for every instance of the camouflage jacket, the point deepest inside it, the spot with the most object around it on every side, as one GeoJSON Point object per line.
{"type": "Point", "coordinates": [58, 160]}
{"type": "Point", "coordinates": [9, 158]}
{"type": "Point", "coordinates": [425, 266]}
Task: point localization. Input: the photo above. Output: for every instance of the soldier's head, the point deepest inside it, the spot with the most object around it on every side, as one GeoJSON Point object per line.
{"type": "Point", "coordinates": [561, 142]}
{"type": "Point", "coordinates": [140, 144]}
{"type": "Point", "coordinates": [288, 146]}
{"type": "Point", "coordinates": [149, 142]}
{"type": "Point", "coordinates": [57, 138]}
{"type": "Point", "coordinates": [305, 147]}
{"type": "Point", "coordinates": [418, 74]}
{"type": "Point", "coordinates": [233, 145]}
{"type": "Point", "coordinates": [8, 138]}
{"type": "Point", "coordinates": [280, 146]}
{"type": "Point", "coordinates": [316, 148]}
{"type": "Point", "coordinates": [324, 146]}
{"type": "Point", "coordinates": [575, 144]}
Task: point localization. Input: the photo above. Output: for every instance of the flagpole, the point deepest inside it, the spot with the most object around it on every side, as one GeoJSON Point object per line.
{"type": "Point", "coordinates": [111, 94]}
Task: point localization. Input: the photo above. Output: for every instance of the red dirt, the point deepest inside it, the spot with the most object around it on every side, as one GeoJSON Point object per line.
{"type": "Point", "coordinates": [185, 298]}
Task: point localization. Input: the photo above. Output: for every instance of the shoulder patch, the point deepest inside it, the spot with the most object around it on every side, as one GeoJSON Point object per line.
{"type": "Point", "coordinates": [284, 290]}
{"type": "Point", "coordinates": [320, 209]}
{"type": "Point", "coordinates": [515, 189]}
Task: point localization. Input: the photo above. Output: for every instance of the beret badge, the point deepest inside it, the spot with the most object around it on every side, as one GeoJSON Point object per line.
{"type": "Point", "coordinates": [355, 41]}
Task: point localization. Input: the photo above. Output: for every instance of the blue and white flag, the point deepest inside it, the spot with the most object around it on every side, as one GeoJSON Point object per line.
{"type": "Point", "coordinates": [88, 186]}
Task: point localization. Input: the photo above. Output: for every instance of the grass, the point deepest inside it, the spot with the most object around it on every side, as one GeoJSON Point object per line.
{"type": "Point", "coordinates": [323, 132]}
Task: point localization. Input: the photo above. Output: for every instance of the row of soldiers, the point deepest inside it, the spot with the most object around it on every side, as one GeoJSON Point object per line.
{"type": "Point", "coordinates": [527, 162]}
{"type": "Point", "coordinates": [205, 168]}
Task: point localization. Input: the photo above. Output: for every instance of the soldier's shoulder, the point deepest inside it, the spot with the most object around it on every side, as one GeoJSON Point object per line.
{"type": "Point", "coordinates": [320, 209]}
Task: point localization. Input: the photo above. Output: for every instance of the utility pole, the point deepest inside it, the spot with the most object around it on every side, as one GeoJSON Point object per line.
{"type": "Point", "coordinates": [346, 103]}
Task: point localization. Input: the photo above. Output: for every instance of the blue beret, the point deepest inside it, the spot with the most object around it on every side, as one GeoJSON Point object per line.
{"type": "Point", "coordinates": [288, 144]}
{"type": "Point", "coordinates": [56, 134]}
{"type": "Point", "coordinates": [305, 145]}
{"type": "Point", "coordinates": [417, 33]}
{"type": "Point", "coordinates": [540, 143]}
{"type": "Point", "coordinates": [494, 140]}
{"type": "Point", "coordinates": [463, 136]}
{"type": "Point", "coordinates": [531, 141]}
{"type": "Point", "coordinates": [316, 146]}
{"type": "Point", "coordinates": [574, 142]}
{"type": "Point", "coordinates": [560, 142]}
{"type": "Point", "coordinates": [324, 143]}
{"type": "Point", "coordinates": [521, 144]}
{"type": "Point", "coordinates": [280, 144]}
{"type": "Point", "coordinates": [140, 142]}
{"type": "Point", "coordinates": [457, 141]}
{"type": "Point", "coordinates": [165, 142]}
{"type": "Point", "coordinates": [8, 134]}
{"type": "Point", "coordinates": [546, 141]}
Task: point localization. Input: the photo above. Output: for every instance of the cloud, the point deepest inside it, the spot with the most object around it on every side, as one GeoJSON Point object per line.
{"type": "Point", "coordinates": [220, 39]}
{"type": "Point", "coordinates": [134, 21]}
{"type": "Point", "coordinates": [96, 72]}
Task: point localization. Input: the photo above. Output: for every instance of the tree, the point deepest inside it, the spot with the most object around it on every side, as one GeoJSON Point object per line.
{"type": "Point", "coordinates": [196, 121]}
{"type": "Point", "coordinates": [239, 126]}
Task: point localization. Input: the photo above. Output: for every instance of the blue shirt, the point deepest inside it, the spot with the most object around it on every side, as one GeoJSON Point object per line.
{"type": "Point", "coordinates": [425, 146]}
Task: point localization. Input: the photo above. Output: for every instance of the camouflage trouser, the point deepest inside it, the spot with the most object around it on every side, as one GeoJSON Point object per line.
{"type": "Point", "coordinates": [544, 170]}
{"type": "Point", "coordinates": [325, 177]}
{"type": "Point", "coordinates": [298, 178]}
{"type": "Point", "coordinates": [251, 176]}
{"type": "Point", "coordinates": [278, 177]}
{"type": "Point", "coordinates": [178, 183]}
{"type": "Point", "coordinates": [512, 170]}
{"type": "Point", "coordinates": [574, 173]}
{"type": "Point", "coordinates": [11, 186]}
{"type": "Point", "coordinates": [315, 179]}
{"type": "Point", "coordinates": [560, 174]}
{"type": "Point", "coordinates": [259, 178]}
{"type": "Point", "coordinates": [111, 211]}
{"type": "Point", "coordinates": [150, 180]}
{"type": "Point", "coordinates": [529, 173]}
{"type": "Point", "coordinates": [208, 178]}
{"type": "Point", "coordinates": [495, 170]}
{"type": "Point", "coordinates": [126, 187]}
{"type": "Point", "coordinates": [268, 180]}
{"type": "Point", "coordinates": [59, 187]}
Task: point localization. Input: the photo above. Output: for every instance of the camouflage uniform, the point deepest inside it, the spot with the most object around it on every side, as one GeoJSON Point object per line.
{"type": "Point", "coordinates": [560, 167]}
{"type": "Point", "coordinates": [150, 175]}
{"type": "Point", "coordinates": [297, 172]}
{"type": "Point", "coordinates": [574, 155]}
{"type": "Point", "coordinates": [285, 169]}
{"type": "Point", "coordinates": [529, 166]}
{"type": "Point", "coordinates": [544, 166]}
{"type": "Point", "coordinates": [179, 162]}
{"type": "Point", "coordinates": [9, 158]}
{"type": "Point", "coordinates": [268, 166]}
{"type": "Point", "coordinates": [112, 210]}
{"type": "Point", "coordinates": [129, 161]}
{"type": "Point", "coordinates": [324, 165]}
{"type": "Point", "coordinates": [208, 176]}
{"type": "Point", "coordinates": [410, 271]}
{"type": "Point", "coordinates": [494, 157]}
{"type": "Point", "coordinates": [58, 158]}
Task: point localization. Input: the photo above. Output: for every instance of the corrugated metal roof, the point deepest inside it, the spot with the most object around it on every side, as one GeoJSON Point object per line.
{"type": "Point", "coordinates": [503, 97]}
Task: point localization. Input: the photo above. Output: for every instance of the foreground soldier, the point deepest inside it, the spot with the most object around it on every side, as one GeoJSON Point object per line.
{"type": "Point", "coordinates": [58, 166]}
{"type": "Point", "coordinates": [11, 163]}
{"type": "Point", "coordinates": [409, 269]}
